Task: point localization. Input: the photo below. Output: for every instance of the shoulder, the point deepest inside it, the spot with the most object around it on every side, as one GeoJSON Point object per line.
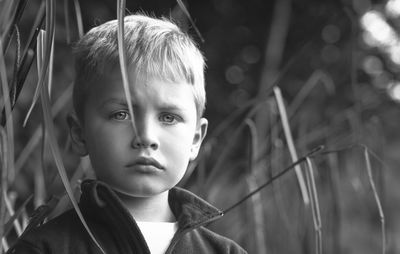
{"type": "Point", "coordinates": [211, 242]}
{"type": "Point", "coordinates": [61, 225]}
{"type": "Point", "coordinates": [60, 231]}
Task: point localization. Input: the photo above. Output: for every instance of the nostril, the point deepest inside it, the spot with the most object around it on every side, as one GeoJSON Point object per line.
{"type": "Point", "coordinates": [143, 144]}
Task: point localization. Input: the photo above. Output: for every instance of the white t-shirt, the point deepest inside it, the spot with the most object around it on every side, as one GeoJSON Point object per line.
{"type": "Point", "coordinates": [158, 235]}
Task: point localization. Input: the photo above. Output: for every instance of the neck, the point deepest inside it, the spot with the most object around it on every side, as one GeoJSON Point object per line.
{"type": "Point", "coordinates": [153, 209]}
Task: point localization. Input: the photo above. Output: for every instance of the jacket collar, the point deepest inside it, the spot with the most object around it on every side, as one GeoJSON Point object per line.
{"type": "Point", "coordinates": [190, 210]}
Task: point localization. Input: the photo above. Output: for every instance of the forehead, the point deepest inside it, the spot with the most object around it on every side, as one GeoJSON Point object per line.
{"type": "Point", "coordinates": [144, 90]}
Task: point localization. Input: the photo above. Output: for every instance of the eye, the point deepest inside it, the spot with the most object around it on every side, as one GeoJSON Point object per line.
{"type": "Point", "coordinates": [120, 116]}
{"type": "Point", "coordinates": [169, 118]}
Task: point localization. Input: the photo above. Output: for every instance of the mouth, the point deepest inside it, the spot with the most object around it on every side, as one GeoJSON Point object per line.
{"type": "Point", "coordinates": [146, 162]}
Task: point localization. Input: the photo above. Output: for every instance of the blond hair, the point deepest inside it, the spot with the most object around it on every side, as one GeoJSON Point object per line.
{"type": "Point", "coordinates": [155, 48]}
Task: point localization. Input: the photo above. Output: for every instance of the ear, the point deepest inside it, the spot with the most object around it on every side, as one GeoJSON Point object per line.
{"type": "Point", "coordinates": [76, 133]}
{"type": "Point", "coordinates": [201, 131]}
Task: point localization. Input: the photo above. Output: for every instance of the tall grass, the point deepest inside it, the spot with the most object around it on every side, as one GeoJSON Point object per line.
{"type": "Point", "coordinates": [264, 161]}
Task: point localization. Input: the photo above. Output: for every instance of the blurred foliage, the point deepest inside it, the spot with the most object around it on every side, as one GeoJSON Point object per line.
{"type": "Point", "coordinates": [316, 56]}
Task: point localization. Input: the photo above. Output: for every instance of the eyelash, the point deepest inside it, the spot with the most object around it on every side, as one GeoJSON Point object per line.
{"type": "Point", "coordinates": [115, 115]}
{"type": "Point", "coordinates": [174, 118]}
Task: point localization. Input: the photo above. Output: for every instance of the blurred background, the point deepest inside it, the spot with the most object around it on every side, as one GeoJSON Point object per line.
{"type": "Point", "coordinates": [283, 77]}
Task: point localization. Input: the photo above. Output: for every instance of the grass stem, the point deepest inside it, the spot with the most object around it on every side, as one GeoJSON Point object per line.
{"type": "Point", "coordinates": [290, 143]}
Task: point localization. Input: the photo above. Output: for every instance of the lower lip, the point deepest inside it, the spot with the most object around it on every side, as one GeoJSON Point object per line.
{"type": "Point", "coordinates": [145, 169]}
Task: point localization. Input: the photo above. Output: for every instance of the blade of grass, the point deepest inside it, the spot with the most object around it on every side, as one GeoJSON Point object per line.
{"type": "Point", "coordinates": [51, 65]}
{"type": "Point", "coordinates": [37, 134]}
{"type": "Point", "coordinates": [334, 178]}
{"type": "Point", "coordinates": [290, 143]}
{"type": "Point", "coordinates": [317, 77]}
{"type": "Point", "coordinates": [17, 225]}
{"type": "Point", "coordinates": [377, 199]}
{"type": "Point", "coordinates": [64, 202]}
{"type": "Point", "coordinates": [273, 178]}
{"type": "Point", "coordinates": [10, 223]}
{"type": "Point", "coordinates": [60, 166]}
{"type": "Point", "coordinates": [49, 127]}
{"type": "Point", "coordinates": [5, 12]}
{"type": "Point", "coordinates": [50, 27]}
{"type": "Point", "coordinates": [315, 208]}
{"type": "Point", "coordinates": [5, 245]}
{"type": "Point", "coordinates": [8, 9]}
{"type": "Point", "coordinates": [186, 12]}
{"type": "Point", "coordinates": [275, 45]}
{"type": "Point", "coordinates": [245, 111]}
{"type": "Point", "coordinates": [256, 199]}
{"type": "Point", "coordinates": [67, 22]}
{"type": "Point", "coordinates": [29, 50]}
{"type": "Point", "coordinates": [122, 59]}
{"type": "Point", "coordinates": [8, 121]}
{"type": "Point", "coordinates": [15, 17]}
{"type": "Point", "coordinates": [4, 165]}
{"type": "Point", "coordinates": [224, 155]}
{"type": "Point", "coordinates": [39, 189]}
{"type": "Point", "coordinates": [78, 14]}
{"type": "Point", "coordinates": [17, 65]}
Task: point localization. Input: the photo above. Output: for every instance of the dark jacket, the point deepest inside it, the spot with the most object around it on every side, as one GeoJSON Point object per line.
{"type": "Point", "coordinates": [117, 232]}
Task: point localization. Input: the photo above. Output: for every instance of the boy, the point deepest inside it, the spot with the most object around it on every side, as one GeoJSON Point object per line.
{"type": "Point", "coordinates": [134, 206]}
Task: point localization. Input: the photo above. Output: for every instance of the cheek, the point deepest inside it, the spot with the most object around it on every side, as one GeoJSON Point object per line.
{"type": "Point", "coordinates": [106, 143]}
{"type": "Point", "coordinates": [178, 145]}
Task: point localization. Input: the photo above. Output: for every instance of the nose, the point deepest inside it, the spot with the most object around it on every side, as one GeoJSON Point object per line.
{"type": "Point", "coordinates": [146, 136]}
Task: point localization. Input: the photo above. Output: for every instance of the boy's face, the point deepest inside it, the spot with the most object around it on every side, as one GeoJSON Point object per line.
{"type": "Point", "coordinates": [169, 134]}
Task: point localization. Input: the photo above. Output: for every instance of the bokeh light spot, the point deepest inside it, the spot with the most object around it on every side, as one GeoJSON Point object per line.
{"type": "Point", "coordinates": [251, 54]}
{"type": "Point", "coordinates": [372, 65]}
{"type": "Point", "coordinates": [331, 34]}
{"type": "Point", "coordinates": [392, 8]}
{"type": "Point", "coordinates": [234, 74]}
{"type": "Point", "coordinates": [394, 90]}
{"type": "Point", "coordinates": [382, 34]}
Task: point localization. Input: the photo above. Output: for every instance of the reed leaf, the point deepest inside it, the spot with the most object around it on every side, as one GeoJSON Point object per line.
{"type": "Point", "coordinates": [8, 122]}
{"type": "Point", "coordinates": [49, 126]}
{"type": "Point", "coordinates": [28, 54]}
{"type": "Point", "coordinates": [256, 199]}
{"type": "Point", "coordinates": [122, 59]}
{"type": "Point", "coordinates": [4, 165]}
{"type": "Point", "coordinates": [39, 189]}
{"type": "Point", "coordinates": [67, 22]}
{"type": "Point", "coordinates": [334, 178]}
{"type": "Point", "coordinates": [317, 77]}
{"type": "Point", "coordinates": [377, 199]}
{"type": "Point", "coordinates": [6, 11]}
{"type": "Point", "coordinates": [78, 15]}
{"type": "Point", "coordinates": [5, 245]}
{"type": "Point", "coordinates": [6, 6]}
{"type": "Point", "coordinates": [246, 110]}
{"type": "Point", "coordinates": [17, 64]}
{"type": "Point", "coordinates": [50, 28]}
{"type": "Point", "coordinates": [224, 155]}
{"type": "Point", "coordinates": [312, 153]}
{"type": "Point", "coordinates": [186, 12]}
{"type": "Point", "coordinates": [290, 143]}
{"type": "Point", "coordinates": [11, 221]}
{"type": "Point", "coordinates": [15, 16]}
{"type": "Point", "coordinates": [34, 139]}
{"type": "Point", "coordinates": [10, 210]}
{"type": "Point", "coordinates": [315, 208]}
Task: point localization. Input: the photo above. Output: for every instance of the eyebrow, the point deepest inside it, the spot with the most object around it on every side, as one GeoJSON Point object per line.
{"type": "Point", "coordinates": [116, 101]}
{"type": "Point", "coordinates": [163, 106]}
